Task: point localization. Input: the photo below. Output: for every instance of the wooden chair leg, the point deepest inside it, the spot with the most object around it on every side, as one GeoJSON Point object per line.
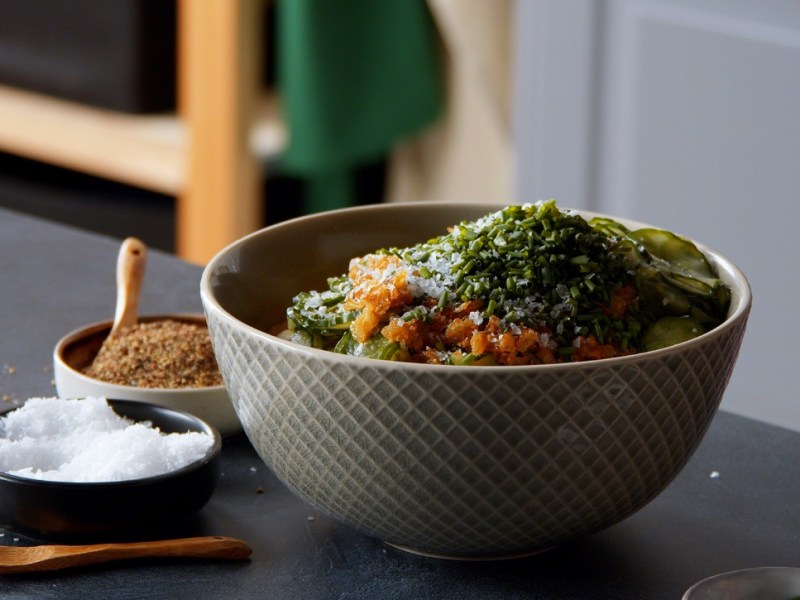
{"type": "Point", "coordinates": [220, 45]}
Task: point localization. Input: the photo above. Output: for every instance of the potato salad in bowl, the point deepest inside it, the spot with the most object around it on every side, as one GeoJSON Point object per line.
{"type": "Point", "coordinates": [525, 285]}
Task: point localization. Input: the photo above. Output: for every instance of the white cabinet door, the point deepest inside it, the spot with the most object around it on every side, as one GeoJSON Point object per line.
{"type": "Point", "coordinates": [684, 114]}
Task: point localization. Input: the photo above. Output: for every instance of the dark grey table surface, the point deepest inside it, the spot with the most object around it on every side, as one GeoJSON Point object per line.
{"type": "Point", "coordinates": [54, 279]}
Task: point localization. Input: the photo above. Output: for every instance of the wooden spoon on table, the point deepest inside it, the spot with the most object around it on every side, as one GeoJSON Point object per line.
{"type": "Point", "coordinates": [19, 559]}
{"type": "Point", "coordinates": [131, 262]}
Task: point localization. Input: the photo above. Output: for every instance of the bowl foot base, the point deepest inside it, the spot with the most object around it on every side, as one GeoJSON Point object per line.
{"type": "Point", "coordinates": [467, 557]}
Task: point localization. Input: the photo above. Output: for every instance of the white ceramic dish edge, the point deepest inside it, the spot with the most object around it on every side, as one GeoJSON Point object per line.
{"type": "Point", "coordinates": [211, 404]}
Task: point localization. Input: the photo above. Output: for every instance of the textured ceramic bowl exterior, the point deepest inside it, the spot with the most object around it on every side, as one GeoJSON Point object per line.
{"type": "Point", "coordinates": [78, 348]}
{"type": "Point", "coordinates": [453, 461]}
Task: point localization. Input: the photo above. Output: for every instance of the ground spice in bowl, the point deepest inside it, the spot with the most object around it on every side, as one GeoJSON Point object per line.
{"type": "Point", "coordinates": [157, 354]}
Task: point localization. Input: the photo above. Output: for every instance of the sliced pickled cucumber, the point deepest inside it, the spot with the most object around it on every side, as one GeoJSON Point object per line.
{"type": "Point", "coordinates": [473, 360]}
{"type": "Point", "coordinates": [675, 250]}
{"type": "Point", "coordinates": [376, 347]}
{"type": "Point", "coordinates": [670, 331]}
{"type": "Point", "coordinates": [609, 227]}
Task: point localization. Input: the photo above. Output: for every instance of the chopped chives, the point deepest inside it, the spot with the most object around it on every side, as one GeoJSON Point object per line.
{"type": "Point", "coordinates": [442, 300]}
{"type": "Point", "coordinates": [535, 265]}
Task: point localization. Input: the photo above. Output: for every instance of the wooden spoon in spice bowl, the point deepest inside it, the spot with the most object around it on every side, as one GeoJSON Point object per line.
{"type": "Point", "coordinates": [131, 262]}
{"type": "Point", "coordinates": [78, 367]}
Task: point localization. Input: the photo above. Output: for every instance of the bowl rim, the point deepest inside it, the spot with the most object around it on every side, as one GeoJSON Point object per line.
{"type": "Point", "coordinates": [211, 454]}
{"type": "Point", "coordinates": [87, 330]}
{"type": "Point", "coordinates": [721, 262]}
{"type": "Point", "coordinates": [737, 574]}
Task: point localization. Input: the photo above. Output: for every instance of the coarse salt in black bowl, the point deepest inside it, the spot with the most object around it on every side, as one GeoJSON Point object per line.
{"type": "Point", "coordinates": [61, 508]}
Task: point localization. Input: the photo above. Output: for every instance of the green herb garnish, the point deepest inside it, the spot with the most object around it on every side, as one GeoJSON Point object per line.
{"type": "Point", "coordinates": [545, 269]}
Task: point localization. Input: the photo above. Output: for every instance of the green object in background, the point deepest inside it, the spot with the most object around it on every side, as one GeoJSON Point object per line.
{"type": "Point", "coordinates": [355, 77]}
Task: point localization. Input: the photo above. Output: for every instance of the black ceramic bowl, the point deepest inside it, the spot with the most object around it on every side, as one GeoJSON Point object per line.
{"type": "Point", "coordinates": [61, 508]}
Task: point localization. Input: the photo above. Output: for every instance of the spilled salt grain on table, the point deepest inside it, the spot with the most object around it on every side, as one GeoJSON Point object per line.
{"type": "Point", "coordinates": [86, 441]}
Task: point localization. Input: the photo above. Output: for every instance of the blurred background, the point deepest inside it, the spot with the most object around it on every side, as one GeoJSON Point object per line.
{"type": "Point", "coordinates": [190, 123]}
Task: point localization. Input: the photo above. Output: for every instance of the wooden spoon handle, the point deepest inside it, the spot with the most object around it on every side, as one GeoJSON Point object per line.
{"type": "Point", "coordinates": [130, 272]}
{"type": "Point", "coordinates": [63, 557]}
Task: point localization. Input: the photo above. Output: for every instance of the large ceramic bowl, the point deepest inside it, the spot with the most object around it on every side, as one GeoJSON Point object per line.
{"type": "Point", "coordinates": [452, 461]}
